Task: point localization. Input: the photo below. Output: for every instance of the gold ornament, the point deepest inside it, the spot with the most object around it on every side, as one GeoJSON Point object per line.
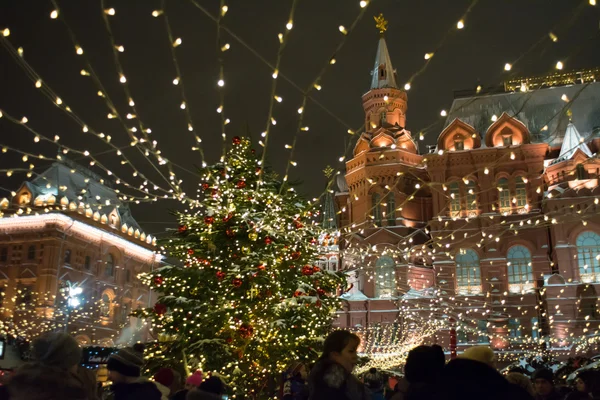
{"type": "Point", "coordinates": [381, 23]}
{"type": "Point", "coordinates": [253, 236]}
{"type": "Point", "coordinates": [246, 250]}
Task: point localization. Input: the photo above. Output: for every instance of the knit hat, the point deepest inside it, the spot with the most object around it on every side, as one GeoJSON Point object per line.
{"type": "Point", "coordinates": [194, 379]}
{"type": "Point", "coordinates": [482, 354]}
{"type": "Point", "coordinates": [56, 349]}
{"type": "Point", "coordinates": [543, 373]}
{"type": "Point", "coordinates": [127, 362]}
{"type": "Point", "coordinates": [213, 385]}
{"type": "Point", "coordinates": [165, 376]}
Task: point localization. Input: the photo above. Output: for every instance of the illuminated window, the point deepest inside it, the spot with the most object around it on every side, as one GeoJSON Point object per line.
{"type": "Point", "coordinates": [454, 199]}
{"type": "Point", "coordinates": [382, 117]}
{"type": "Point", "coordinates": [482, 328]}
{"type": "Point", "coordinates": [391, 208]}
{"type": "Point", "coordinates": [375, 200]}
{"type": "Point", "coordinates": [31, 253]}
{"type": "Point", "coordinates": [520, 193]}
{"type": "Point", "coordinates": [581, 172]}
{"type": "Point", "coordinates": [588, 248]}
{"type": "Point", "coordinates": [504, 195]}
{"type": "Point", "coordinates": [520, 274]}
{"type": "Point", "coordinates": [105, 305]}
{"type": "Point", "coordinates": [507, 140]}
{"type": "Point", "coordinates": [332, 264]}
{"type": "Point", "coordinates": [109, 270]}
{"type": "Point", "coordinates": [535, 333]}
{"type": "Point", "coordinates": [459, 142]}
{"type": "Point", "coordinates": [471, 197]}
{"type": "Point", "coordinates": [468, 274]}
{"type": "Point", "coordinates": [514, 328]}
{"type": "Point", "coordinates": [385, 277]}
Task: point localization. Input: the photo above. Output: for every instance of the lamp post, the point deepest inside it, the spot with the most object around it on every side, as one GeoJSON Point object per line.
{"type": "Point", "coordinates": [72, 302]}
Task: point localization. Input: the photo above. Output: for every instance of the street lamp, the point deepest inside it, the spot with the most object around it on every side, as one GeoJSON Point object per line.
{"type": "Point", "coordinates": [72, 302]}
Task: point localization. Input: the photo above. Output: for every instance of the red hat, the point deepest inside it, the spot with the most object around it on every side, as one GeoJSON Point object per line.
{"type": "Point", "coordinates": [195, 379]}
{"type": "Point", "coordinates": [165, 376]}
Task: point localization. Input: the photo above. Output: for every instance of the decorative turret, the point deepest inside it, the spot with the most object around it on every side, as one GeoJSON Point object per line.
{"type": "Point", "coordinates": [571, 142]}
{"type": "Point", "coordinates": [384, 104]}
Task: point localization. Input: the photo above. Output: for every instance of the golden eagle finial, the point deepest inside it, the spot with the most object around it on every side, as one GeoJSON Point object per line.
{"type": "Point", "coordinates": [328, 171]}
{"type": "Point", "coordinates": [381, 23]}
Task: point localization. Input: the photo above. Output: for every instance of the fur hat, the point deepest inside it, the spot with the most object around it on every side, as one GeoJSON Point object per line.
{"type": "Point", "coordinates": [56, 349]}
{"type": "Point", "coordinates": [543, 373]}
{"type": "Point", "coordinates": [482, 354]}
{"type": "Point", "coordinates": [194, 379]}
{"type": "Point", "coordinates": [127, 362]}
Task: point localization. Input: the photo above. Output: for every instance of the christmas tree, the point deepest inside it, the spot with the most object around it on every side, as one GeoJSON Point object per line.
{"type": "Point", "coordinates": [249, 300]}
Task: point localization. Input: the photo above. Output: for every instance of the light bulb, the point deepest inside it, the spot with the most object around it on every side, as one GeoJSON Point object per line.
{"type": "Point", "coordinates": [460, 24]}
{"type": "Point", "coordinates": [225, 47]}
{"type": "Point", "coordinates": [553, 37]}
{"type": "Point", "coordinates": [176, 81]}
{"type": "Point", "coordinates": [120, 49]}
{"type": "Point", "coordinates": [38, 83]}
{"type": "Point", "coordinates": [343, 29]}
{"type": "Point", "coordinates": [507, 67]}
{"type": "Point", "coordinates": [156, 13]}
{"type": "Point", "coordinates": [54, 14]}
{"type": "Point", "coordinates": [221, 82]}
{"type": "Point", "coordinates": [110, 11]}
{"type": "Point", "coordinates": [6, 32]}
{"type": "Point", "coordinates": [428, 55]}
{"type": "Point", "coordinates": [407, 86]}
{"type": "Point", "coordinates": [559, 65]}
{"type": "Point", "coordinates": [224, 10]}
{"type": "Point", "coordinates": [443, 113]}
{"type": "Point", "coordinates": [78, 50]}
{"type": "Point", "coordinates": [363, 4]}
{"type": "Point", "coordinates": [289, 25]}
{"type": "Point", "coordinates": [122, 79]}
{"type": "Point", "coordinates": [177, 42]}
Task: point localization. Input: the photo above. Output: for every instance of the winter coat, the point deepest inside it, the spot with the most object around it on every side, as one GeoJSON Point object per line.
{"type": "Point", "coordinates": [40, 382]}
{"type": "Point", "coordinates": [328, 380]}
{"type": "Point", "coordinates": [295, 388]}
{"type": "Point", "coordinates": [142, 389]}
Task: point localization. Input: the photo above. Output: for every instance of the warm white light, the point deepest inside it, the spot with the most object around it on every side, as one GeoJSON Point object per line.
{"type": "Point", "coordinates": [156, 13]}
{"type": "Point", "coordinates": [421, 136]}
{"type": "Point", "coordinates": [221, 82]}
{"type": "Point", "coordinates": [54, 14]}
{"type": "Point", "coordinates": [494, 118]}
{"type": "Point", "coordinates": [6, 32]}
{"type": "Point", "coordinates": [592, 2]}
{"type": "Point", "coordinates": [428, 55]}
{"type": "Point", "coordinates": [300, 110]}
{"type": "Point", "coordinates": [176, 81]}
{"type": "Point", "coordinates": [224, 10]}
{"type": "Point", "coordinates": [279, 99]}
{"type": "Point", "coordinates": [122, 79]}
{"type": "Point", "coordinates": [363, 4]}
{"type": "Point", "coordinates": [182, 105]}
{"type": "Point", "coordinates": [385, 98]}
{"type": "Point", "coordinates": [564, 98]}
{"type": "Point", "coordinates": [83, 72]}
{"type": "Point", "coordinates": [559, 65]}
{"type": "Point", "coordinates": [58, 101]}
{"type": "Point", "coordinates": [110, 11]}
{"type": "Point", "coordinates": [289, 25]}
{"type": "Point", "coordinates": [275, 74]}
{"type": "Point", "coordinates": [407, 86]}
{"type": "Point", "coordinates": [507, 67]}
{"type": "Point", "coordinates": [317, 86]}
{"type": "Point", "coordinates": [443, 113]}
{"type": "Point", "coordinates": [177, 42]}
{"type": "Point", "coordinates": [553, 37]}
{"type": "Point", "coordinates": [220, 109]}
{"type": "Point", "coordinates": [343, 29]}
{"type": "Point", "coordinates": [78, 50]}
{"type": "Point", "coordinates": [120, 49]}
{"type": "Point", "coordinates": [460, 24]}
{"type": "Point", "coordinates": [225, 47]}
{"type": "Point", "coordinates": [38, 84]}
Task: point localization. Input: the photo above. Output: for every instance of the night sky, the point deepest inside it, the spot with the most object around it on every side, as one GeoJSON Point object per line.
{"type": "Point", "coordinates": [495, 32]}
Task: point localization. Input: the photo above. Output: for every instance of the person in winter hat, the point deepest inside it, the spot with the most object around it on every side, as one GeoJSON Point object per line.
{"type": "Point", "coordinates": [294, 384]}
{"type": "Point", "coordinates": [519, 379]}
{"type": "Point", "coordinates": [483, 354]}
{"type": "Point", "coordinates": [192, 382]}
{"type": "Point", "coordinates": [374, 382]}
{"type": "Point", "coordinates": [53, 372]}
{"type": "Point", "coordinates": [424, 365]}
{"type": "Point", "coordinates": [211, 389]}
{"type": "Point", "coordinates": [543, 383]}
{"type": "Point", "coordinates": [124, 370]}
{"type": "Point", "coordinates": [168, 381]}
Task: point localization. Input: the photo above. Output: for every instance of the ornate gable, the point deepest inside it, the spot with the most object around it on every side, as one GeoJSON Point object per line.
{"type": "Point", "coordinates": [507, 131]}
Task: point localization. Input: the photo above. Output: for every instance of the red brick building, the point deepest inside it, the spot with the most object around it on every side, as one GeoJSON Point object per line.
{"type": "Point", "coordinates": [496, 226]}
{"type": "Point", "coordinates": [67, 227]}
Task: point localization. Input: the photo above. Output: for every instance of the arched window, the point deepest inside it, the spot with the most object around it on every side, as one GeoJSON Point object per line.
{"type": "Point", "coordinates": [385, 277]}
{"type": "Point", "coordinates": [471, 197]}
{"type": "Point", "coordinates": [109, 270]}
{"type": "Point", "coordinates": [588, 248]}
{"type": "Point", "coordinates": [67, 256]}
{"type": "Point", "coordinates": [520, 193]}
{"type": "Point", "coordinates": [581, 172]}
{"type": "Point", "coordinates": [459, 142]}
{"type": "Point", "coordinates": [535, 328]}
{"type": "Point", "coordinates": [382, 118]}
{"type": "Point", "coordinates": [503, 196]}
{"type": "Point", "coordinates": [454, 199]}
{"type": "Point", "coordinates": [322, 263]}
{"type": "Point", "coordinates": [31, 253]}
{"type": "Point", "coordinates": [375, 200]}
{"type": "Point", "coordinates": [105, 305]}
{"type": "Point", "coordinates": [391, 208]}
{"type": "Point", "coordinates": [520, 274]}
{"type": "Point", "coordinates": [468, 274]}
{"type": "Point", "coordinates": [88, 263]}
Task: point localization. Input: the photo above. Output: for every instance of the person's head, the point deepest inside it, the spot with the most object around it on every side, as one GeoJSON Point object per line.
{"type": "Point", "coordinates": [57, 349]}
{"type": "Point", "coordinates": [297, 370]}
{"type": "Point", "coordinates": [169, 378]}
{"type": "Point", "coordinates": [213, 385]}
{"type": "Point", "coordinates": [194, 380]}
{"type": "Point", "coordinates": [483, 354]}
{"type": "Point", "coordinates": [373, 380]}
{"type": "Point", "coordinates": [125, 365]}
{"type": "Point", "coordinates": [518, 379]}
{"type": "Point", "coordinates": [423, 364]}
{"type": "Point", "coordinates": [340, 346]}
{"type": "Point", "coordinates": [585, 381]}
{"type": "Point", "coordinates": [543, 381]}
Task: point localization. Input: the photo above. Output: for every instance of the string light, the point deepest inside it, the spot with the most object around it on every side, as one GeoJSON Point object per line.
{"type": "Point", "coordinates": [460, 24]}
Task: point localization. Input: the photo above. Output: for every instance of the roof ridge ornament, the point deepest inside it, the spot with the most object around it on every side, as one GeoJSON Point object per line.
{"type": "Point", "coordinates": [381, 23]}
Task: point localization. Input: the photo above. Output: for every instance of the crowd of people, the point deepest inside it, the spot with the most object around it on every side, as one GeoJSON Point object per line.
{"type": "Point", "coordinates": [55, 373]}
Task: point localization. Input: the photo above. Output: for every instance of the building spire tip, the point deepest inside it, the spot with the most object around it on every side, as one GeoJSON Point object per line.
{"type": "Point", "coordinates": [381, 23]}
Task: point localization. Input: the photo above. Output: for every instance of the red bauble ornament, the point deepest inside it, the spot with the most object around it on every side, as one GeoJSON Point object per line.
{"type": "Point", "coordinates": [230, 233]}
{"type": "Point", "coordinates": [158, 280]}
{"type": "Point", "coordinates": [298, 223]}
{"type": "Point", "coordinates": [241, 184]}
{"type": "Point", "coordinates": [236, 282]}
{"type": "Point", "coordinates": [215, 193]}
{"type": "Point", "coordinates": [209, 220]}
{"type": "Point", "coordinates": [298, 293]}
{"type": "Point", "coordinates": [307, 270]}
{"type": "Point", "coordinates": [236, 140]}
{"type": "Point", "coordinates": [229, 340]}
{"type": "Point", "coordinates": [268, 240]}
{"type": "Point", "coordinates": [295, 255]}
{"type": "Point", "coordinates": [261, 267]}
{"type": "Point", "coordinates": [313, 241]}
{"type": "Point", "coordinates": [318, 303]}
{"type": "Point", "coordinates": [205, 186]}
{"type": "Point", "coordinates": [320, 292]}
{"type": "Point", "coordinates": [182, 228]}
{"type": "Point", "coordinates": [316, 269]}
{"type": "Point", "coordinates": [220, 275]}
{"type": "Point", "coordinates": [246, 331]}
{"type": "Point", "coordinates": [160, 309]}
{"type": "Point", "coordinates": [190, 251]}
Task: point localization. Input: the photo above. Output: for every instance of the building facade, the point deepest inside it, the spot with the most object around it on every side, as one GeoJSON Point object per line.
{"type": "Point", "coordinates": [494, 230]}
{"type": "Point", "coordinates": [66, 228]}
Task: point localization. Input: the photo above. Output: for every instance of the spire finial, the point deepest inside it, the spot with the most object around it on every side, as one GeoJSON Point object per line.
{"type": "Point", "coordinates": [328, 171]}
{"type": "Point", "coordinates": [381, 23]}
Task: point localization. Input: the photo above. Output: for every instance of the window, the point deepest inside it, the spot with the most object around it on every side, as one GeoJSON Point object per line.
{"type": "Point", "coordinates": [454, 199]}
{"type": "Point", "coordinates": [391, 208]}
{"type": "Point", "coordinates": [514, 328]}
{"type": "Point", "coordinates": [507, 140]}
{"type": "Point", "coordinates": [332, 264]}
{"type": "Point", "coordinates": [68, 257]}
{"type": "Point", "coordinates": [581, 172]}
{"type": "Point", "coordinates": [4, 254]}
{"type": "Point", "coordinates": [520, 274]}
{"type": "Point", "coordinates": [503, 195]}
{"type": "Point", "coordinates": [109, 270]}
{"type": "Point", "coordinates": [535, 333]}
{"type": "Point", "coordinates": [588, 248]}
{"type": "Point", "coordinates": [520, 193]}
{"type": "Point", "coordinates": [31, 253]}
{"type": "Point", "coordinates": [88, 263]}
{"type": "Point", "coordinates": [459, 142]}
{"type": "Point", "coordinates": [482, 328]}
{"type": "Point", "coordinates": [385, 277]}
{"type": "Point", "coordinates": [461, 336]}
{"type": "Point", "coordinates": [105, 305]}
{"type": "Point", "coordinates": [382, 71]}
{"type": "Point", "coordinates": [468, 274]}
{"type": "Point", "coordinates": [383, 117]}
{"type": "Point", "coordinates": [376, 208]}
{"type": "Point", "coordinates": [471, 198]}
{"type": "Point", "coordinates": [127, 275]}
